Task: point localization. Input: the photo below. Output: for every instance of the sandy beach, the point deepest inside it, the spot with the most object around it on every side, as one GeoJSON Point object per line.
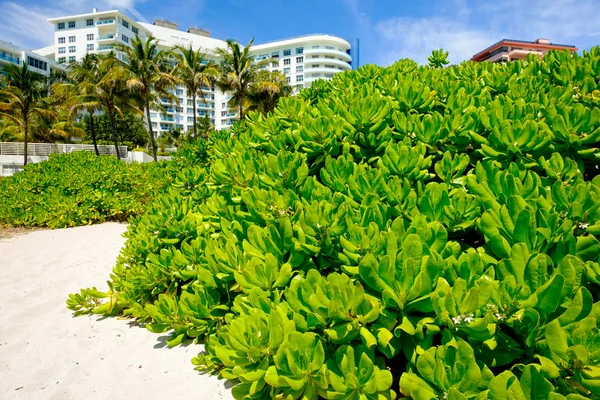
{"type": "Point", "coordinates": [46, 353]}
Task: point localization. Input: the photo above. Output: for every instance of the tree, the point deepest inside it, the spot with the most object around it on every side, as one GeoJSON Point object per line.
{"type": "Point", "coordinates": [438, 58]}
{"type": "Point", "coordinates": [195, 72]}
{"type": "Point", "coordinates": [130, 129]}
{"type": "Point", "coordinates": [79, 90]}
{"type": "Point", "coordinates": [267, 90]}
{"type": "Point", "coordinates": [146, 75]}
{"type": "Point", "coordinates": [22, 98]}
{"type": "Point", "coordinates": [238, 72]}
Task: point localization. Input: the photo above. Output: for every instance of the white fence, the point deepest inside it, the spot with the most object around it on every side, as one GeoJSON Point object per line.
{"type": "Point", "coordinates": [45, 149]}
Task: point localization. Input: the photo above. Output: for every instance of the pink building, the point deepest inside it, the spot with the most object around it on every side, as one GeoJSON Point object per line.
{"type": "Point", "coordinates": [509, 50]}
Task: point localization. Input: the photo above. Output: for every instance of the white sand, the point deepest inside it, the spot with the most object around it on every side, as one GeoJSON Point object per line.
{"type": "Point", "coordinates": [46, 353]}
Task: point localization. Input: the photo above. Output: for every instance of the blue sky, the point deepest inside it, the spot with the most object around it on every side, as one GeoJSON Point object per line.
{"type": "Point", "coordinates": [388, 29]}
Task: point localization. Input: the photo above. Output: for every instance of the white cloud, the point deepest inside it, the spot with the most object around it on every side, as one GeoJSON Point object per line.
{"type": "Point", "coordinates": [26, 25]}
{"type": "Point", "coordinates": [470, 26]}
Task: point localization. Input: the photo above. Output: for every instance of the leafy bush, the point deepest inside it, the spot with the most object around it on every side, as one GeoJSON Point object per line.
{"type": "Point", "coordinates": [131, 130]}
{"type": "Point", "coordinates": [404, 230]}
{"type": "Point", "coordinates": [79, 189]}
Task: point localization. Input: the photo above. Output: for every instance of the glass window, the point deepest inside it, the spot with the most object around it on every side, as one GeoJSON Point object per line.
{"type": "Point", "coordinates": [61, 50]}
{"type": "Point", "coordinates": [134, 30]}
{"type": "Point", "coordinates": [286, 61]}
{"type": "Point", "coordinates": [299, 78]}
{"type": "Point", "coordinates": [275, 54]}
{"type": "Point", "coordinates": [274, 64]}
{"type": "Point", "coordinates": [90, 36]}
{"type": "Point", "coordinates": [179, 92]}
{"type": "Point", "coordinates": [288, 79]}
{"type": "Point", "coordinates": [299, 68]}
{"type": "Point", "coordinates": [316, 47]}
{"type": "Point", "coordinates": [71, 59]}
{"type": "Point", "coordinates": [90, 47]}
{"type": "Point", "coordinates": [61, 25]}
{"type": "Point", "coordinates": [299, 59]}
{"type": "Point", "coordinates": [287, 52]}
{"type": "Point", "coordinates": [61, 60]}
{"type": "Point", "coordinates": [125, 38]}
{"type": "Point", "coordinates": [71, 24]}
{"type": "Point", "coordinates": [125, 23]}
{"type": "Point", "coordinates": [61, 40]}
{"type": "Point", "coordinates": [34, 62]}
{"type": "Point", "coordinates": [299, 50]}
{"type": "Point", "coordinates": [71, 39]}
{"type": "Point", "coordinates": [286, 71]}
{"type": "Point", "coordinates": [89, 22]}
{"type": "Point", "coordinates": [71, 49]}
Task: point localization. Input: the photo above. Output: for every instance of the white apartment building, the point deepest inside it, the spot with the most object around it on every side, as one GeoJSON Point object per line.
{"type": "Point", "coordinates": [12, 54]}
{"type": "Point", "coordinates": [302, 59]}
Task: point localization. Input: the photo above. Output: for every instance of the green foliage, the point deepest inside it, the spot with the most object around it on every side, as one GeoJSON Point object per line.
{"type": "Point", "coordinates": [79, 189]}
{"type": "Point", "coordinates": [403, 231]}
{"type": "Point", "coordinates": [130, 129]}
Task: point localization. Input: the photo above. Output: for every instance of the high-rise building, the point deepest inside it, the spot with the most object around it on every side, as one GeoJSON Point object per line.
{"type": "Point", "coordinates": [510, 50]}
{"type": "Point", "coordinates": [302, 59]}
{"type": "Point", "coordinates": [12, 54]}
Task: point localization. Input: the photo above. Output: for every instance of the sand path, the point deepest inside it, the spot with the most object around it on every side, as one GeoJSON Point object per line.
{"type": "Point", "coordinates": [45, 353]}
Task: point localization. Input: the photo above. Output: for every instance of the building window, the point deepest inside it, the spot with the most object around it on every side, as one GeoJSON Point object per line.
{"type": "Point", "coordinates": [286, 61]}
{"type": "Point", "coordinates": [316, 66]}
{"type": "Point", "coordinates": [288, 79]}
{"type": "Point", "coordinates": [71, 49]}
{"type": "Point", "coordinates": [61, 60]}
{"type": "Point", "coordinates": [61, 25]}
{"type": "Point", "coordinates": [190, 119]}
{"type": "Point", "coordinates": [125, 38]}
{"type": "Point", "coordinates": [34, 62]}
{"type": "Point", "coordinates": [61, 50]}
{"type": "Point", "coordinates": [90, 47]}
{"type": "Point", "coordinates": [90, 36]}
{"type": "Point", "coordinates": [299, 59]}
{"type": "Point", "coordinates": [71, 39]}
{"type": "Point", "coordinates": [71, 24]}
{"type": "Point", "coordinates": [71, 59]}
{"type": "Point", "coordinates": [299, 68]}
{"type": "Point", "coordinates": [61, 40]}
{"type": "Point", "coordinates": [287, 52]}
{"type": "Point", "coordinates": [125, 23]}
{"type": "Point", "coordinates": [89, 22]}
{"type": "Point", "coordinates": [299, 78]}
{"type": "Point", "coordinates": [179, 92]}
{"type": "Point", "coordinates": [299, 50]}
{"type": "Point", "coordinates": [316, 47]}
{"type": "Point", "coordinates": [190, 102]}
{"type": "Point", "coordinates": [275, 54]}
{"type": "Point", "coordinates": [134, 30]}
{"type": "Point", "coordinates": [286, 71]}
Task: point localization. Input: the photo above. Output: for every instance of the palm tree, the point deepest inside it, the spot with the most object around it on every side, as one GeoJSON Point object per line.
{"type": "Point", "coordinates": [146, 75]}
{"type": "Point", "coordinates": [267, 90]}
{"type": "Point", "coordinates": [80, 91]}
{"type": "Point", "coordinates": [21, 98]}
{"type": "Point", "coordinates": [195, 72]}
{"type": "Point", "coordinates": [238, 71]}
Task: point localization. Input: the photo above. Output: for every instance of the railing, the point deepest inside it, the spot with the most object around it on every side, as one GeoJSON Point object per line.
{"type": "Point", "coordinates": [100, 48]}
{"type": "Point", "coordinates": [106, 22]}
{"type": "Point", "coordinates": [105, 37]}
{"type": "Point", "coordinates": [9, 58]}
{"type": "Point", "coordinates": [45, 149]}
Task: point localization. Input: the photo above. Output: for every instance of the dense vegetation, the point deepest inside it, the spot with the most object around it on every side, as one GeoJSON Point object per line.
{"type": "Point", "coordinates": [80, 189]}
{"type": "Point", "coordinates": [429, 232]}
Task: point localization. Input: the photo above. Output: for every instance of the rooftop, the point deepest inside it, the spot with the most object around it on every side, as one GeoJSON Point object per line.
{"type": "Point", "coordinates": [539, 42]}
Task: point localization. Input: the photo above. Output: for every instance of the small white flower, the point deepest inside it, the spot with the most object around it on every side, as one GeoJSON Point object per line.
{"type": "Point", "coordinates": [457, 320]}
{"type": "Point", "coordinates": [281, 174]}
{"type": "Point", "coordinates": [469, 318]}
{"type": "Point", "coordinates": [259, 334]}
{"type": "Point", "coordinates": [445, 395]}
{"type": "Point", "coordinates": [319, 226]}
{"type": "Point", "coordinates": [584, 225]}
{"type": "Point", "coordinates": [500, 317]}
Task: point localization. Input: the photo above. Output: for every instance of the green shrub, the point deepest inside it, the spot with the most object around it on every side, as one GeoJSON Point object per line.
{"type": "Point", "coordinates": [404, 230]}
{"type": "Point", "coordinates": [79, 189]}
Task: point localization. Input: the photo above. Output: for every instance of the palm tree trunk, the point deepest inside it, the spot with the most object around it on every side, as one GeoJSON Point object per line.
{"type": "Point", "coordinates": [25, 128]}
{"type": "Point", "coordinates": [241, 108]}
{"type": "Point", "coordinates": [151, 131]}
{"type": "Point", "coordinates": [195, 131]}
{"type": "Point", "coordinates": [111, 116]}
{"type": "Point", "coordinates": [93, 133]}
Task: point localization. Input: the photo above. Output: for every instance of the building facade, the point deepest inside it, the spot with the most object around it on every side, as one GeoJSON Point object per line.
{"type": "Point", "coordinates": [302, 59]}
{"type": "Point", "coordinates": [510, 50]}
{"type": "Point", "coordinates": [12, 54]}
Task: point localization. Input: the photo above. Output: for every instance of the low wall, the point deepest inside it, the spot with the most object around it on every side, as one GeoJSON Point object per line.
{"type": "Point", "coordinates": [11, 164]}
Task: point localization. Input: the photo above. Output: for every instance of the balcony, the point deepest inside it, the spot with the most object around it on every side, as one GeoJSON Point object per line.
{"type": "Point", "coordinates": [105, 48]}
{"type": "Point", "coordinates": [167, 119]}
{"type": "Point", "coordinates": [322, 60]}
{"type": "Point", "coordinates": [105, 22]}
{"type": "Point", "coordinates": [105, 37]}
{"type": "Point", "coordinates": [333, 52]}
{"type": "Point", "coordinates": [10, 59]}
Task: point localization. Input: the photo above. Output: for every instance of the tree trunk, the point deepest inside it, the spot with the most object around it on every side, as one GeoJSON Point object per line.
{"type": "Point", "coordinates": [111, 116]}
{"type": "Point", "coordinates": [25, 128]}
{"type": "Point", "coordinates": [195, 129]}
{"type": "Point", "coordinates": [151, 131]}
{"type": "Point", "coordinates": [93, 133]}
{"type": "Point", "coordinates": [241, 108]}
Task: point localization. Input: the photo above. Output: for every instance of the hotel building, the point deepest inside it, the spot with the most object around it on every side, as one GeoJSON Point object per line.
{"type": "Point", "coordinates": [302, 59]}
{"type": "Point", "coordinates": [510, 50]}
{"type": "Point", "coordinates": [12, 54]}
